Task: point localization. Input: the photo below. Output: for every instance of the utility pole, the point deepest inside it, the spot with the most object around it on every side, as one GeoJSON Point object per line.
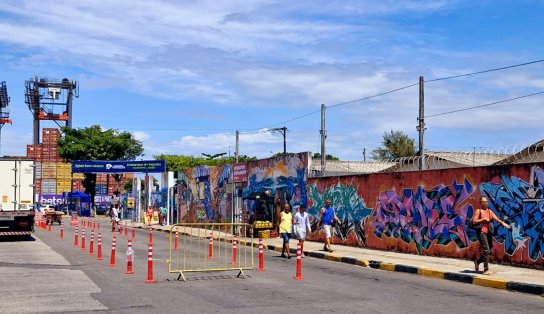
{"type": "Point", "coordinates": [364, 154]}
{"type": "Point", "coordinates": [283, 131]}
{"type": "Point", "coordinates": [236, 154]}
{"type": "Point", "coordinates": [323, 136]}
{"type": "Point", "coordinates": [421, 125]}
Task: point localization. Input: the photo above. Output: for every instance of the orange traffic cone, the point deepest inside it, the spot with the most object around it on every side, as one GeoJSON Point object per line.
{"type": "Point", "coordinates": [83, 238]}
{"type": "Point", "coordinates": [261, 255]}
{"type": "Point", "coordinates": [234, 244]}
{"type": "Point", "coordinates": [130, 256]}
{"type": "Point", "coordinates": [112, 257]}
{"type": "Point", "coordinates": [61, 231]}
{"type": "Point", "coordinates": [298, 275]}
{"type": "Point", "coordinates": [210, 250]}
{"type": "Point", "coordinates": [75, 236]}
{"type": "Point", "coordinates": [99, 248]}
{"type": "Point", "coordinates": [150, 265]}
{"type": "Point", "coordinates": [91, 243]}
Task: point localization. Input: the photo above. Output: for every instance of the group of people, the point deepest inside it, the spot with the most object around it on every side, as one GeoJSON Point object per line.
{"type": "Point", "coordinates": [163, 212]}
{"type": "Point", "coordinates": [299, 225]}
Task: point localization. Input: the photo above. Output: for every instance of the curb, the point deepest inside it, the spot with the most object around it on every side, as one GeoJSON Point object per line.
{"type": "Point", "coordinates": [426, 272]}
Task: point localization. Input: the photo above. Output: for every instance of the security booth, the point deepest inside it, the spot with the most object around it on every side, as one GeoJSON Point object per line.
{"type": "Point", "coordinates": [78, 202]}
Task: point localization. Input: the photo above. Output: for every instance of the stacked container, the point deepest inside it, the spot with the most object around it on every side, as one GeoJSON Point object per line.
{"type": "Point", "coordinates": [54, 176]}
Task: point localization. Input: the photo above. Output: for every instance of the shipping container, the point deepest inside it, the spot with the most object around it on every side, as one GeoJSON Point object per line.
{"type": "Point", "coordinates": [78, 176]}
{"type": "Point", "coordinates": [50, 135]}
{"type": "Point", "coordinates": [30, 151]}
{"type": "Point", "coordinates": [34, 152]}
{"type": "Point", "coordinates": [49, 186]}
{"type": "Point", "coordinates": [38, 170]}
{"type": "Point", "coordinates": [64, 170]}
{"type": "Point", "coordinates": [49, 170]}
{"type": "Point", "coordinates": [101, 189]}
{"type": "Point", "coordinates": [38, 185]}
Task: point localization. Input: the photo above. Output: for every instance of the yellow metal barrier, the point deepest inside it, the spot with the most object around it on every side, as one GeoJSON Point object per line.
{"type": "Point", "coordinates": [205, 247]}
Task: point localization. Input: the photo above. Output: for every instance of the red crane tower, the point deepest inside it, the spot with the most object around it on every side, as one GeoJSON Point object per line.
{"type": "Point", "coordinates": [50, 100]}
{"type": "Point", "coordinates": [4, 103]}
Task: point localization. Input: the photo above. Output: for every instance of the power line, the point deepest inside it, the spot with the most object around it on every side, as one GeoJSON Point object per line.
{"type": "Point", "coordinates": [485, 71]}
{"type": "Point", "coordinates": [291, 120]}
{"type": "Point", "coordinates": [480, 106]}
{"type": "Point", "coordinates": [373, 96]}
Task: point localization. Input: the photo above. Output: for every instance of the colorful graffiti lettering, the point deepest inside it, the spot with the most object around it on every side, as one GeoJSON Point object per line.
{"type": "Point", "coordinates": [350, 208]}
{"type": "Point", "coordinates": [426, 216]}
{"type": "Point", "coordinates": [520, 204]}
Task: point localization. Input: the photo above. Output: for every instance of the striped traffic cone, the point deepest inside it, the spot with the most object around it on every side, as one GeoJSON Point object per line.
{"type": "Point", "coordinates": [150, 264]}
{"type": "Point", "coordinates": [261, 255]}
{"type": "Point", "coordinates": [112, 257]}
{"type": "Point", "coordinates": [99, 248]}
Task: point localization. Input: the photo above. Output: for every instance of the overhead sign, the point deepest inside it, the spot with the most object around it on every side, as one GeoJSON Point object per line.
{"type": "Point", "coordinates": [240, 172]}
{"type": "Point", "coordinates": [102, 166]}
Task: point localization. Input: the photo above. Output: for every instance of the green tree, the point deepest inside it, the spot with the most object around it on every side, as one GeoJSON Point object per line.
{"type": "Point", "coordinates": [93, 143]}
{"type": "Point", "coordinates": [396, 144]}
{"type": "Point", "coordinates": [181, 162]}
{"type": "Point", "coordinates": [327, 157]}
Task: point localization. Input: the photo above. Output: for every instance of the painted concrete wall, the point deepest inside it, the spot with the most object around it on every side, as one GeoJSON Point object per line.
{"type": "Point", "coordinates": [414, 212]}
{"type": "Point", "coordinates": [426, 212]}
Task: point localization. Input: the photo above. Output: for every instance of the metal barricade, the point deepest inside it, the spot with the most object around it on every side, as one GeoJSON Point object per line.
{"type": "Point", "coordinates": [210, 247]}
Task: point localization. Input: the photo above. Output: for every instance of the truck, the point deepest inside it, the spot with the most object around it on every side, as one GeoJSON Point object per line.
{"type": "Point", "coordinates": [17, 197]}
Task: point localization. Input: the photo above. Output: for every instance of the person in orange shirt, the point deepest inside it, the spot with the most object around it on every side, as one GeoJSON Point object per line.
{"type": "Point", "coordinates": [149, 214]}
{"type": "Point", "coordinates": [484, 216]}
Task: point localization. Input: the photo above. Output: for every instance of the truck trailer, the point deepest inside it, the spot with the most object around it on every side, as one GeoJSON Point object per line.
{"type": "Point", "coordinates": [16, 197]}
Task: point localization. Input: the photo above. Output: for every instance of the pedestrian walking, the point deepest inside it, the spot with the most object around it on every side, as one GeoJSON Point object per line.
{"type": "Point", "coordinates": [286, 225]}
{"type": "Point", "coordinates": [327, 216]}
{"type": "Point", "coordinates": [482, 222]}
{"type": "Point", "coordinates": [302, 226]}
{"type": "Point", "coordinates": [162, 218]}
{"type": "Point", "coordinates": [115, 217]}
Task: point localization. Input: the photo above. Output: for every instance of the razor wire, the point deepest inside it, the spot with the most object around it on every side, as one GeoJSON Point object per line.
{"type": "Point", "coordinates": [478, 157]}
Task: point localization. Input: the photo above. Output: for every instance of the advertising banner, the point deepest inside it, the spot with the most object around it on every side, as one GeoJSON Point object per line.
{"type": "Point", "coordinates": [102, 166]}
{"type": "Point", "coordinates": [50, 199]}
{"type": "Point", "coordinates": [240, 172]}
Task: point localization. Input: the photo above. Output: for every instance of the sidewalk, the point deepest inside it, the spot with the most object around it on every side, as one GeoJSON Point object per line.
{"type": "Point", "coordinates": [511, 278]}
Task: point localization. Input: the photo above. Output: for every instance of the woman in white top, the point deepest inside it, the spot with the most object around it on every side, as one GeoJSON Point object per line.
{"type": "Point", "coordinates": [302, 224]}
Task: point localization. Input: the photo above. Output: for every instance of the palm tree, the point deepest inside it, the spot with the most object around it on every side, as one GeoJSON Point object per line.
{"type": "Point", "coordinates": [396, 144]}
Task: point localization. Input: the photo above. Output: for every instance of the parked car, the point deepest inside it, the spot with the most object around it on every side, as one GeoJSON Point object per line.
{"type": "Point", "coordinates": [102, 210]}
{"type": "Point", "coordinates": [63, 208]}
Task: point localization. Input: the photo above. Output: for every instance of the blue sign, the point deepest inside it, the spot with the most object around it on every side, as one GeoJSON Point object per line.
{"type": "Point", "coordinates": [102, 166]}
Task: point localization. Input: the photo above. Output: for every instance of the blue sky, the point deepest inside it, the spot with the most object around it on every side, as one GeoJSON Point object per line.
{"type": "Point", "coordinates": [184, 76]}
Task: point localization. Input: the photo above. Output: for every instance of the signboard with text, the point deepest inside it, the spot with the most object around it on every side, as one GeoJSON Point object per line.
{"type": "Point", "coordinates": [240, 172]}
{"type": "Point", "coordinates": [102, 166]}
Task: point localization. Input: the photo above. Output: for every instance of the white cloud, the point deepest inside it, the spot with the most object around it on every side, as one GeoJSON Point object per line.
{"type": "Point", "coordinates": [141, 135]}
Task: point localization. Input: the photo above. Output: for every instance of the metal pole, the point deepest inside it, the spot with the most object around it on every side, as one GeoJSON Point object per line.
{"type": "Point", "coordinates": [323, 136]}
{"type": "Point", "coordinates": [237, 154]}
{"type": "Point", "coordinates": [284, 140]}
{"type": "Point", "coordinates": [421, 126]}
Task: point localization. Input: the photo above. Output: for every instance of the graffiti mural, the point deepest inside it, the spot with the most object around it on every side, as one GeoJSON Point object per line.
{"type": "Point", "coordinates": [202, 194]}
{"type": "Point", "coordinates": [349, 207]}
{"type": "Point", "coordinates": [425, 217]}
{"type": "Point", "coordinates": [282, 177]}
{"type": "Point", "coordinates": [520, 204]}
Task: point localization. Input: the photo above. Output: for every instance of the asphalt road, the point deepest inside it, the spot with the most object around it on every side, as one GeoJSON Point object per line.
{"type": "Point", "coordinates": [51, 275]}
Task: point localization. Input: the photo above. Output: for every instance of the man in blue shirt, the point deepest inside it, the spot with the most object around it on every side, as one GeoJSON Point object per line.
{"type": "Point", "coordinates": [326, 217]}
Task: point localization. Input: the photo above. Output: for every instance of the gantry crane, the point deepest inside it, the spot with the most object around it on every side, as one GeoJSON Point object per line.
{"type": "Point", "coordinates": [4, 111]}
{"type": "Point", "coordinates": [50, 100]}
